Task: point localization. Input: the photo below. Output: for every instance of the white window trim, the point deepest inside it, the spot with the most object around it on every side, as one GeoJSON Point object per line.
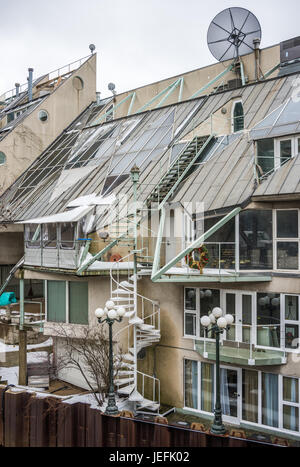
{"type": "Point", "coordinates": [280, 239]}
{"type": "Point", "coordinates": [232, 115]}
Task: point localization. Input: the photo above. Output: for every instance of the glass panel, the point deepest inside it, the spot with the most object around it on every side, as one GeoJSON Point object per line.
{"type": "Point", "coordinates": [268, 319]}
{"type": "Point", "coordinates": [229, 394]}
{"type": "Point", "coordinates": [287, 224]}
{"type": "Point", "coordinates": [291, 336]}
{"type": "Point", "coordinates": [265, 154]}
{"type": "Point", "coordinates": [224, 236]}
{"type": "Point", "coordinates": [290, 418]}
{"type": "Point", "coordinates": [290, 389]}
{"type": "Point", "coordinates": [287, 255]}
{"type": "Point", "coordinates": [238, 117]}
{"type": "Point", "coordinates": [191, 384]}
{"type": "Point", "coordinates": [246, 317]}
{"type": "Point", "coordinates": [291, 308]}
{"type": "Point", "coordinates": [270, 399]}
{"type": "Point", "coordinates": [256, 244]}
{"type": "Point", "coordinates": [33, 235]}
{"type": "Point", "coordinates": [190, 299]}
{"type": "Point", "coordinates": [207, 387]}
{"type": "Point", "coordinates": [230, 309]}
{"type": "Point", "coordinates": [67, 235]}
{"type": "Point", "coordinates": [49, 235]}
{"type": "Point", "coordinates": [190, 324]}
{"type": "Point", "coordinates": [285, 150]}
{"type": "Point", "coordinates": [250, 396]}
{"type": "Point", "coordinates": [209, 299]}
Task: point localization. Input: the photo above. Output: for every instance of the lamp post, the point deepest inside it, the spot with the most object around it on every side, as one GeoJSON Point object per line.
{"type": "Point", "coordinates": [110, 314]}
{"type": "Point", "coordinates": [218, 323]}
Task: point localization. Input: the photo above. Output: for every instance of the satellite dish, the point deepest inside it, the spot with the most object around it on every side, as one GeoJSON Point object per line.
{"type": "Point", "coordinates": [231, 33]}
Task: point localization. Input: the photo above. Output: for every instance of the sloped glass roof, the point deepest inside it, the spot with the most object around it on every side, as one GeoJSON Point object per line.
{"type": "Point", "coordinates": [284, 120]}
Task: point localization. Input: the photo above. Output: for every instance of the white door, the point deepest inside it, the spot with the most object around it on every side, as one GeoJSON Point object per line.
{"type": "Point", "coordinates": [241, 306]}
{"type": "Point", "coordinates": [231, 394]}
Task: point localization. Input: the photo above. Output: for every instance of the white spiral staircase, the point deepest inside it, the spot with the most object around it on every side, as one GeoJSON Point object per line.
{"type": "Point", "coordinates": [142, 330]}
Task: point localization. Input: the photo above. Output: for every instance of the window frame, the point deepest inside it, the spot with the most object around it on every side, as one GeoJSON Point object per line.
{"type": "Point", "coordinates": [67, 304]}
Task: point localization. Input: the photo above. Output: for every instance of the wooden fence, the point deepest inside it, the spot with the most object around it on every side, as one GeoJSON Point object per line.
{"type": "Point", "coordinates": [31, 420]}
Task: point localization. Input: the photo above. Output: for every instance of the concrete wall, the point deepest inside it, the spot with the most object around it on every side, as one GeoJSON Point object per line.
{"type": "Point", "coordinates": [195, 80]}
{"type": "Point", "coordinates": [26, 142]}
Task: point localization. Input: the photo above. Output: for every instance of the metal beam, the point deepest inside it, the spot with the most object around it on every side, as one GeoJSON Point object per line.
{"type": "Point", "coordinates": [169, 93]}
{"type": "Point", "coordinates": [131, 103]}
{"type": "Point", "coordinates": [158, 96]}
{"type": "Point", "coordinates": [229, 68]}
{"type": "Point", "coordinates": [264, 76]}
{"type": "Point", "coordinates": [195, 244]}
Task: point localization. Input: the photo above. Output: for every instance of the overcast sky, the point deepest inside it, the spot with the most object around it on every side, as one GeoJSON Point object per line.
{"type": "Point", "coordinates": [137, 41]}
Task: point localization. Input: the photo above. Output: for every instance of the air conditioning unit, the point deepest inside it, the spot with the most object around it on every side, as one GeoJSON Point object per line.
{"type": "Point", "coordinates": [290, 50]}
{"type": "Point", "coordinates": [234, 83]}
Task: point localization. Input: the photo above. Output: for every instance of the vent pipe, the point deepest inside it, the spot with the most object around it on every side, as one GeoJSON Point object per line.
{"type": "Point", "coordinates": [98, 98]}
{"type": "Point", "coordinates": [256, 43]}
{"type": "Point", "coordinates": [17, 89]}
{"type": "Point", "coordinates": [30, 80]}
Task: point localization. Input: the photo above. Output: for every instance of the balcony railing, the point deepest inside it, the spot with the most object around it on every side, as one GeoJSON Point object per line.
{"type": "Point", "coordinates": [249, 345]}
{"type": "Point", "coordinates": [222, 258]}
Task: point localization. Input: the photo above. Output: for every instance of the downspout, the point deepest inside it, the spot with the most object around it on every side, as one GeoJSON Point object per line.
{"type": "Point", "coordinates": [30, 80]}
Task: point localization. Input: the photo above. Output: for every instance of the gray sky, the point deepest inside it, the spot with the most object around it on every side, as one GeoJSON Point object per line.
{"type": "Point", "coordinates": [137, 41]}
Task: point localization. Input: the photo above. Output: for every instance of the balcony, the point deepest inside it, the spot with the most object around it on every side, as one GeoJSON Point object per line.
{"type": "Point", "coordinates": [269, 349]}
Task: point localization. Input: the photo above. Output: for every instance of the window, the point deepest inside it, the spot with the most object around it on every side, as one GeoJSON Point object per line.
{"type": "Point", "coordinates": [268, 320]}
{"type": "Point", "coordinates": [56, 301]}
{"type": "Point", "coordinates": [67, 235]}
{"type": "Point", "coordinates": [290, 403]}
{"type": "Point", "coordinates": [238, 117]}
{"type": "Point", "coordinates": [78, 302]}
{"type": "Point", "coordinates": [190, 312]}
{"type": "Point", "coordinates": [191, 384]}
{"type": "Point", "coordinates": [33, 236]}
{"type": "Point", "coordinates": [220, 245]}
{"type": "Point", "coordinates": [291, 324]}
{"type": "Point", "coordinates": [265, 155]}
{"type": "Point", "coordinates": [75, 309]}
{"type": "Point", "coordinates": [197, 303]}
{"type": "Point", "coordinates": [287, 248]}
{"type": "Point", "coordinates": [250, 396]}
{"type": "Point", "coordinates": [270, 401]}
{"type": "Point", "coordinates": [2, 158]}
{"type": "Point", "coordinates": [256, 244]}
{"type": "Point", "coordinates": [43, 116]}
{"type": "Point", "coordinates": [49, 236]}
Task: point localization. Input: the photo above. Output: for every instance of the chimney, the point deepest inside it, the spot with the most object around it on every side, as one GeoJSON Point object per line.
{"type": "Point", "coordinates": [98, 97]}
{"type": "Point", "coordinates": [256, 43]}
{"type": "Point", "coordinates": [17, 89]}
{"type": "Point", "coordinates": [30, 79]}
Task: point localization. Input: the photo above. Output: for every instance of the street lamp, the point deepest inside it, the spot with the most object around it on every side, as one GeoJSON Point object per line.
{"type": "Point", "coordinates": [110, 314]}
{"type": "Point", "coordinates": [218, 323]}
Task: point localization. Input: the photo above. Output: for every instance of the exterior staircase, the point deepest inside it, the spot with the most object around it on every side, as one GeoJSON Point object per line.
{"type": "Point", "coordinates": [142, 330]}
{"type": "Point", "coordinates": [192, 152]}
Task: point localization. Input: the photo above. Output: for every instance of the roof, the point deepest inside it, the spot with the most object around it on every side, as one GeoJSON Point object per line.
{"type": "Point", "coordinates": [73, 215]}
{"type": "Point", "coordinates": [91, 159]}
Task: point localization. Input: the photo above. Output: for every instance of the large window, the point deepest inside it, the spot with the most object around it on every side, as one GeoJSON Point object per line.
{"type": "Point", "coordinates": [259, 398]}
{"type": "Point", "coordinates": [75, 309]}
{"type": "Point", "coordinates": [273, 153]}
{"type": "Point", "coordinates": [256, 244]}
{"type": "Point", "coordinates": [287, 239]}
{"type": "Point", "coordinates": [220, 245]}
